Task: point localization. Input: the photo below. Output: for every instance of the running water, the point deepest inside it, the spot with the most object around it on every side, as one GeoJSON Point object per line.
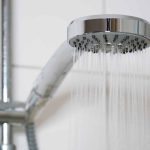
{"type": "Point", "coordinates": [110, 102]}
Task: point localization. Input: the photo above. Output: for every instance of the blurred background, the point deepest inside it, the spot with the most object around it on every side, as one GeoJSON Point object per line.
{"type": "Point", "coordinates": [39, 27]}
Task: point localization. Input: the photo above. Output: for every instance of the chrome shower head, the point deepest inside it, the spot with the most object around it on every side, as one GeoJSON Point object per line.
{"type": "Point", "coordinates": [117, 33]}
{"type": "Point", "coordinates": [95, 33]}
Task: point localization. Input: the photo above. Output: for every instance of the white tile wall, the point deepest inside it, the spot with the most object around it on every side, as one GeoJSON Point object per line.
{"type": "Point", "coordinates": [22, 82]}
{"type": "Point", "coordinates": [139, 8]}
{"type": "Point", "coordinates": [39, 27]}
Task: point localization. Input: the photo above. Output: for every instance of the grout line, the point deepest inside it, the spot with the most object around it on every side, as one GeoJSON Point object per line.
{"type": "Point", "coordinates": [73, 70]}
{"type": "Point", "coordinates": [27, 67]}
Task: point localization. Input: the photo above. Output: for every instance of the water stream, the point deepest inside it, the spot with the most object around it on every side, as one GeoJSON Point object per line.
{"type": "Point", "coordinates": [110, 101]}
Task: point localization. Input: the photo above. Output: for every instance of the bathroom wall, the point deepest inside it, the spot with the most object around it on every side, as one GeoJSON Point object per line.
{"type": "Point", "coordinates": [39, 27]}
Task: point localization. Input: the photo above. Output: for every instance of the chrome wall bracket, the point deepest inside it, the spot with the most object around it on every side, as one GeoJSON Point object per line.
{"type": "Point", "coordinates": [13, 113]}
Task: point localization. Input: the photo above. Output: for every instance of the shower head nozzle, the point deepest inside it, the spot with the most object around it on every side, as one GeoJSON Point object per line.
{"type": "Point", "coordinates": [117, 33]}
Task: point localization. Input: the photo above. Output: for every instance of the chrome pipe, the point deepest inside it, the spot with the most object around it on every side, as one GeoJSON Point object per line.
{"type": "Point", "coordinates": [13, 113]}
{"type": "Point", "coordinates": [6, 51]}
{"type": "Point", "coordinates": [50, 78]}
{"type": "Point", "coordinates": [6, 70]}
{"type": "Point", "coordinates": [13, 116]}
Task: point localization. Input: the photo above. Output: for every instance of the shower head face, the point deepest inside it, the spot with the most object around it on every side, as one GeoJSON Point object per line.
{"type": "Point", "coordinates": [109, 33]}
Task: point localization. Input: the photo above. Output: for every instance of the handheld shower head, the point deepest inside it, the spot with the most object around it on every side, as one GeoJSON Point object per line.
{"type": "Point", "coordinates": [107, 33]}
{"type": "Point", "coordinates": [117, 33]}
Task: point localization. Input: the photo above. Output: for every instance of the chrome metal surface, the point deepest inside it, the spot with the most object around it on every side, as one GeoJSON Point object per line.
{"type": "Point", "coordinates": [12, 106]}
{"type": "Point", "coordinates": [13, 112]}
{"type": "Point", "coordinates": [13, 116]}
{"type": "Point", "coordinates": [124, 33]}
{"type": "Point", "coordinates": [6, 68]}
{"type": "Point", "coordinates": [6, 51]}
{"type": "Point", "coordinates": [7, 147]}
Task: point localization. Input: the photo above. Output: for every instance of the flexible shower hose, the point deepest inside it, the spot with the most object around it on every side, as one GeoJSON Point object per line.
{"type": "Point", "coordinates": [31, 136]}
